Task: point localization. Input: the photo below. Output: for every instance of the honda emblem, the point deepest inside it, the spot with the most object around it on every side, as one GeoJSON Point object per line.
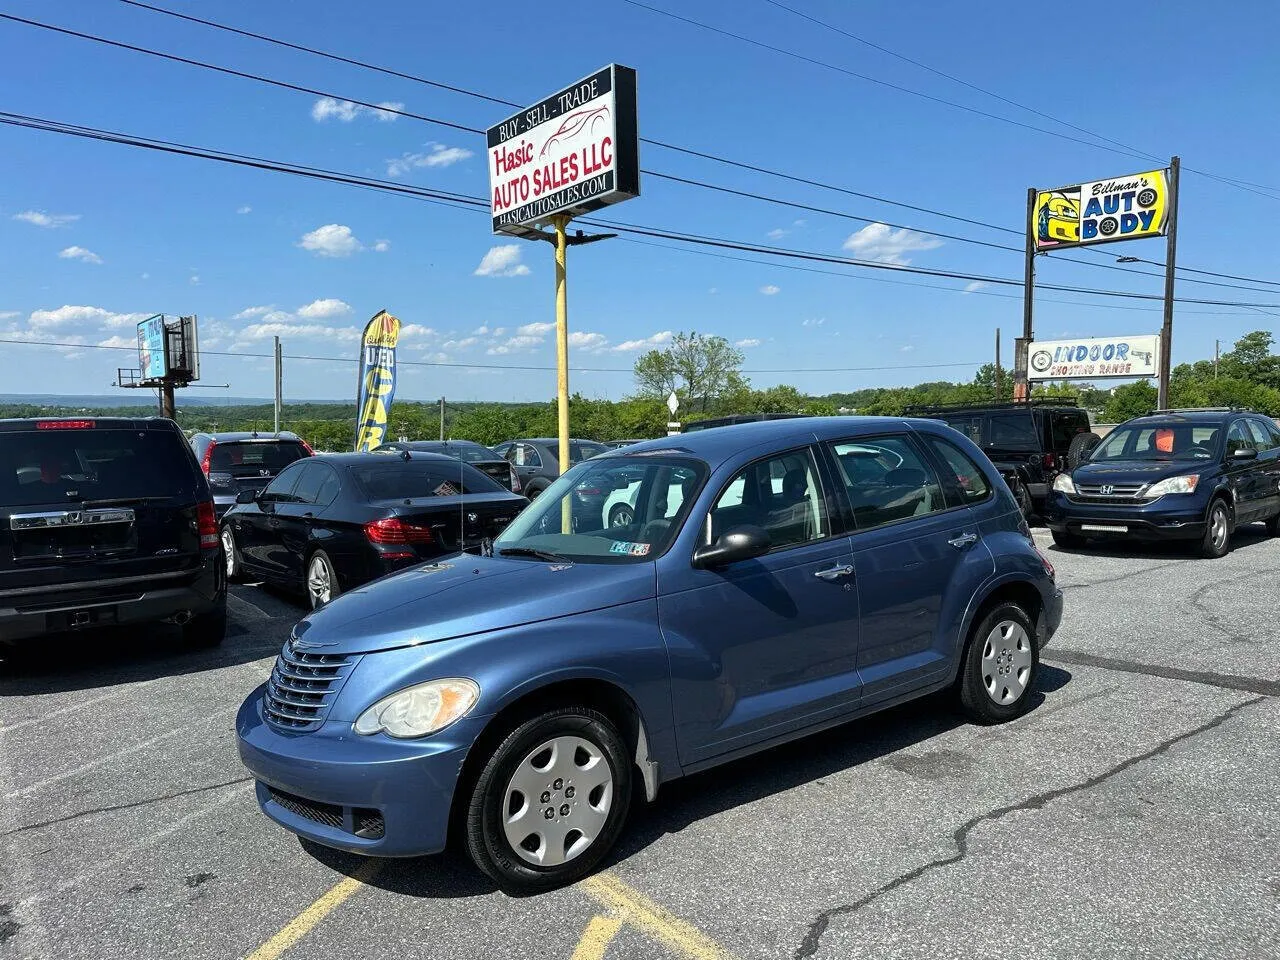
{"type": "Point", "coordinates": [1107, 489]}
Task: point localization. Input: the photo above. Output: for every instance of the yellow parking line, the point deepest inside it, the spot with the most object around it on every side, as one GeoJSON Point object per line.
{"type": "Point", "coordinates": [641, 912]}
{"type": "Point", "coordinates": [597, 937]}
{"type": "Point", "coordinates": [306, 921]}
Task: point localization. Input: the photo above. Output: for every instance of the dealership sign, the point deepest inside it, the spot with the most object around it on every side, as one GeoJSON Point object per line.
{"type": "Point", "coordinates": [1122, 208]}
{"type": "Point", "coordinates": [1104, 357]}
{"type": "Point", "coordinates": [574, 152]}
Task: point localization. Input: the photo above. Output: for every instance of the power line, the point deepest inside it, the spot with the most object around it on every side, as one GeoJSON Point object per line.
{"type": "Point", "coordinates": [696, 183]}
{"type": "Point", "coordinates": [478, 203]}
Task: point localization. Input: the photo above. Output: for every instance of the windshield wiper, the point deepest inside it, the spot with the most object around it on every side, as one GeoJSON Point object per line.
{"type": "Point", "coordinates": [548, 555]}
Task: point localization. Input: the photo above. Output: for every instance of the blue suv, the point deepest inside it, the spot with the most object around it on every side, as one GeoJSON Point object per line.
{"type": "Point", "coordinates": [772, 579]}
{"type": "Point", "coordinates": [1192, 475]}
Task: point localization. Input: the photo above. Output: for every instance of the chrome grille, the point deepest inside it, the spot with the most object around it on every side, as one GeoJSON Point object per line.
{"type": "Point", "coordinates": [303, 686]}
{"type": "Point", "coordinates": [1113, 493]}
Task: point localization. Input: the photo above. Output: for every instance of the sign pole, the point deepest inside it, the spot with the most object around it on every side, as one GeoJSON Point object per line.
{"type": "Point", "coordinates": [1166, 330]}
{"type": "Point", "coordinates": [279, 383]}
{"type": "Point", "coordinates": [561, 222]}
{"type": "Point", "coordinates": [1022, 346]}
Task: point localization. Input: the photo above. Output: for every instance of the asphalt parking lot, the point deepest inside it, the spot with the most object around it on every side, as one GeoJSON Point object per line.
{"type": "Point", "coordinates": [1133, 812]}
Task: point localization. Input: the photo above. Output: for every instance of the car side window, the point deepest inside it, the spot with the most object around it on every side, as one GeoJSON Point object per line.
{"type": "Point", "coordinates": [887, 480]}
{"type": "Point", "coordinates": [782, 495]}
{"type": "Point", "coordinates": [971, 482]}
{"type": "Point", "coordinates": [1238, 438]}
{"type": "Point", "coordinates": [308, 485]}
{"type": "Point", "coordinates": [329, 486]}
{"type": "Point", "coordinates": [527, 456]}
{"type": "Point", "coordinates": [1261, 436]}
{"type": "Point", "coordinates": [280, 490]}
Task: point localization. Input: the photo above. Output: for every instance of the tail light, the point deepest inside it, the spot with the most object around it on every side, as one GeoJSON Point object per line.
{"type": "Point", "coordinates": [64, 424]}
{"type": "Point", "coordinates": [394, 532]}
{"type": "Point", "coordinates": [1050, 462]}
{"type": "Point", "coordinates": [1048, 564]}
{"type": "Point", "coordinates": [307, 447]}
{"type": "Point", "coordinates": [208, 458]}
{"type": "Point", "coordinates": [515, 479]}
{"type": "Point", "coordinates": [207, 524]}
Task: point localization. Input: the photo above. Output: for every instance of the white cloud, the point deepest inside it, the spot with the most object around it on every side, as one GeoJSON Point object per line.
{"type": "Point", "coordinates": [799, 223]}
{"type": "Point", "coordinates": [325, 309]}
{"type": "Point", "coordinates": [466, 343]}
{"type": "Point", "coordinates": [265, 331]}
{"type": "Point", "coordinates": [437, 155]}
{"type": "Point", "coordinates": [81, 254]}
{"type": "Point", "coordinates": [713, 291]}
{"type": "Point", "coordinates": [381, 246]}
{"type": "Point", "coordinates": [194, 281]}
{"type": "Point", "coordinates": [502, 261]}
{"type": "Point", "coordinates": [535, 329]}
{"type": "Point", "coordinates": [777, 233]}
{"type": "Point", "coordinates": [118, 341]}
{"type": "Point", "coordinates": [50, 220]}
{"type": "Point", "coordinates": [521, 344]}
{"type": "Point", "coordinates": [249, 312]}
{"type": "Point", "coordinates": [68, 316]}
{"type": "Point", "coordinates": [884, 244]}
{"type": "Point", "coordinates": [907, 349]}
{"type": "Point", "coordinates": [973, 285]}
{"type": "Point", "coordinates": [770, 290]}
{"type": "Point", "coordinates": [327, 108]}
{"type": "Point", "coordinates": [481, 330]}
{"type": "Point", "coordinates": [8, 314]}
{"type": "Point", "coordinates": [813, 322]}
{"type": "Point", "coordinates": [749, 342]}
{"type": "Point", "coordinates": [331, 240]}
{"type": "Point", "coordinates": [657, 340]}
{"type": "Point", "coordinates": [411, 330]}
{"type": "Point", "coordinates": [588, 342]}
{"type": "Point", "coordinates": [245, 209]}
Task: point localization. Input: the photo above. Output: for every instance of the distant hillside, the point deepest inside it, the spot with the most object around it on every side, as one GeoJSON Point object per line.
{"type": "Point", "coordinates": [125, 398]}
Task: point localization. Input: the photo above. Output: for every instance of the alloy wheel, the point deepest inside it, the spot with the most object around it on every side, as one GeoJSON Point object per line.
{"type": "Point", "coordinates": [229, 551]}
{"type": "Point", "coordinates": [558, 800]}
{"type": "Point", "coordinates": [319, 582]}
{"type": "Point", "coordinates": [1218, 527]}
{"type": "Point", "coordinates": [1006, 662]}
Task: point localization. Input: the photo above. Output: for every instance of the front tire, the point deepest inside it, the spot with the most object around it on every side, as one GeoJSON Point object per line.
{"type": "Point", "coordinates": [550, 801]}
{"type": "Point", "coordinates": [1000, 666]}
{"type": "Point", "coordinates": [322, 580]}
{"type": "Point", "coordinates": [1216, 541]}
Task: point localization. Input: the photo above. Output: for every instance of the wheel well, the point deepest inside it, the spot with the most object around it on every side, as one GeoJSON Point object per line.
{"type": "Point", "coordinates": [1024, 594]}
{"type": "Point", "coordinates": [599, 695]}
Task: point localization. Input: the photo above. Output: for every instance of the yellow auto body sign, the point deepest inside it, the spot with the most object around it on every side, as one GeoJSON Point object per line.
{"type": "Point", "coordinates": [377, 380]}
{"type": "Point", "coordinates": [1102, 211]}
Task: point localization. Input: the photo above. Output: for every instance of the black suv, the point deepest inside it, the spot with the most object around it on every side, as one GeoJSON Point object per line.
{"type": "Point", "coordinates": [106, 521]}
{"type": "Point", "coordinates": [1030, 443]}
{"type": "Point", "coordinates": [234, 462]}
{"type": "Point", "coordinates": [1191, 475]}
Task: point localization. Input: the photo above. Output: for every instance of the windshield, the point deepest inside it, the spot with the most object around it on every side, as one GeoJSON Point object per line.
{"type": "Point", "coordinates": [614, 510]}
{"type": "Point", "coordinates": [1160, 441]}
{"type": "Point", "coordinates": [254, 458]}
{"type": "Point", "coordinates": [412, 479]}
{"type": "Point", "coordinates": [46, 466]}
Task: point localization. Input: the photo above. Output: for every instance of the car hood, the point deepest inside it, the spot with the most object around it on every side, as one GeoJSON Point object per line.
{"type": "Point", "coordinates": [1136, 471]}
{"type": "Point", "coordinates": [465, 594]}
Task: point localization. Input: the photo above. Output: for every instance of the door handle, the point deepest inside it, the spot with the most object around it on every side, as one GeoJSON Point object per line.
{"type": "Point", "coordinates": [273, 523]}
{"type": "Point", "coordinates": [835, 573]}
{"type": "Point", "coordinates": [964, 540]}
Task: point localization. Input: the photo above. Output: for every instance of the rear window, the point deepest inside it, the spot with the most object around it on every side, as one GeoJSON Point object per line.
{"type": "Point", "coordinates": [1065, 426]}
{"type": "Point", "coordinates": [1014, 430]}
{"type": "Point", "coordinates": [56, 466]}
{"type": "Point", "coordinates": [578, 451]}
{"type": "Point", "coordinates": [250, 458]}
{"type": "Point", "coordinates": [406, 480]}
{"type": "Point", "coordinates": [968, 424]}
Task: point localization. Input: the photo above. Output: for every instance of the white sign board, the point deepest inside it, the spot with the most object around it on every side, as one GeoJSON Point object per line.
{"type": "Point", "coordinates": [1099, 357]}
{"type": "Point", "coordinates": [673, 403]}
{"type": "Point", "coordinates": [576, 151]}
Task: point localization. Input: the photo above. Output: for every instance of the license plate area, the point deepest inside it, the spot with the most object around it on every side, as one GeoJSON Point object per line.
{"type": "Point", "coordinates": [1104, 528]}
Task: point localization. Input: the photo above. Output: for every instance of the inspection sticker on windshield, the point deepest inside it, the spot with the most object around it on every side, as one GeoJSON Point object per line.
{"type": "Point", "coordinates": [630, 549]}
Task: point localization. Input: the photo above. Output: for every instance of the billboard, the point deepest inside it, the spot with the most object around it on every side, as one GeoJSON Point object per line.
{"type": "Point", "coordinates": [1100, 357]}
{"type": "Point", "coordinates": [153, 359]}
{"type": "Point", "coordinates": [574, 152]}
{"type": "Point", "coordinates": [377, 380]}
{"type": "Point", "coordinates": [1102, 211]}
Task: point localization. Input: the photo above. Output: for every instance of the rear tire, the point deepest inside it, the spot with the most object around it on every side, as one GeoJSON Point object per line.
{"type": "Point", "coordinates": [1068, 541]}
{"type": "Point", "coordinates": [1082, 445]}
{"type": "Point", "coordinates": [321, 580]}
{"type": "Point", "coordinates": [590, 750]}
{"type": "Point", "coordinates": [231, 555]}
{"type": "Point", "coordinates": [1216, 541]}
{"type": "Point", "coordinates": [206, 630]}
{"type": "Point", "coordinates": [621, 515]}
{"type": "Point", "coordinates": [1000, 666]}
{"type": "Point", "coordinates": [1023, 496]}
{"type": "Point", "coordinates": [533, 492]}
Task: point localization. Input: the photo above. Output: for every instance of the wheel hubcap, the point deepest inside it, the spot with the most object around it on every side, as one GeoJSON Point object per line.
{"type": "Point", "coordinates": [319, 582]}
{"type": "Point", "coordinates": [1006, 662]}
{"type": "Point", "coordinates": [229, 551]}
{"type": "Point", "coordinates": [1219, 528]}
{"type": "Point", "coordinates": [557, 801]}
{"type": "Point", "coordinates": [622, 518]}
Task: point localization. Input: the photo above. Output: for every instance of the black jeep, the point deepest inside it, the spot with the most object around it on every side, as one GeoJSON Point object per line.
{"type": "Point", "coordinates": [1030, 443]}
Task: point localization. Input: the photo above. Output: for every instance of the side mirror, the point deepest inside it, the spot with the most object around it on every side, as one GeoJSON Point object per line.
{"type": "Point", "coordinates": [740, 543]}
{"type": "Point", "coordinates": [1243, 454]}
{"type": "Point", "coordinates": [247, 496]}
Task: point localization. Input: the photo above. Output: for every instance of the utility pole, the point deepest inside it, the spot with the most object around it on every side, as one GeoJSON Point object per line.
{"type": "Point", "coordinates": [279, 382]}
{"type": "Point", "coordinates": [1217, 348]}
{"type": "Point", "coordinates": [166, 400]}
{"type": "Point", "coordinates": [1166, 330]}
{"type": "Point", "coordinates": [999, 375]}
{"type": "Point", "coordinates": [442, 418]}
{"type": "Point", "coordinates": [1022, 346]}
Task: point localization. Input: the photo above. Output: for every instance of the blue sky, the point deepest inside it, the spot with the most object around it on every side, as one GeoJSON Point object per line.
{"type": "Point", "coordinates": [93, 234]}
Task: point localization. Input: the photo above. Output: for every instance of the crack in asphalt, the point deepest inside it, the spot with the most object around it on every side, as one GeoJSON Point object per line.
{"type": "Point", "coordinates": [1124, 576]}
{"type": "Point", "coordinates": [1223, 681]}
{"type": "Point", "coordinates": [813, 936]}
{"type": "Point", "coordinates": [124, 806]}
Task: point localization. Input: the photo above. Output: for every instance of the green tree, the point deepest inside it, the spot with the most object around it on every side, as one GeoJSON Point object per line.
{"type": "Point", "coordinates": [1131, 400]}
{"type": "Point", "coordinates": [700, 369]}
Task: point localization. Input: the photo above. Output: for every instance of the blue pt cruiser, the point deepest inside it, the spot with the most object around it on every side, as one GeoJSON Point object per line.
{"type": "Point", "coordinates": [771, 579]}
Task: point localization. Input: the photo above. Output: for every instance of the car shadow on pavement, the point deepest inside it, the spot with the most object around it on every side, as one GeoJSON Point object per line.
{"type": "Point", "coordinates": [1250, 536]}
{"type": "Point", "coordinates": [104, 658]}
{"type": "Point", "coordinates": [690, 799]}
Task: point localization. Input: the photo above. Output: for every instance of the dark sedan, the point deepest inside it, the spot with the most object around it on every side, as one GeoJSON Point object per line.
{"type": "Point", "coordinates": [477, 454]}
{"type": "Point", "coordinates": [330, 523]}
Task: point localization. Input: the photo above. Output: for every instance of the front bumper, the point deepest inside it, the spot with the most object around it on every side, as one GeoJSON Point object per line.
{"type": "Point", "coordinates": [1168, 518]}
{"type": "Point", "coordinates": [369, 795]}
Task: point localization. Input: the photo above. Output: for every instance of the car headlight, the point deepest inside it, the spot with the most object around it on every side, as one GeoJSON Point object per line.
{"type": "Point", "coordinates": [419, 710]}
{"type": "Point", "coordinates": [1183, 484]}
{"type": "Point", "coordinates": [1063, 483]}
